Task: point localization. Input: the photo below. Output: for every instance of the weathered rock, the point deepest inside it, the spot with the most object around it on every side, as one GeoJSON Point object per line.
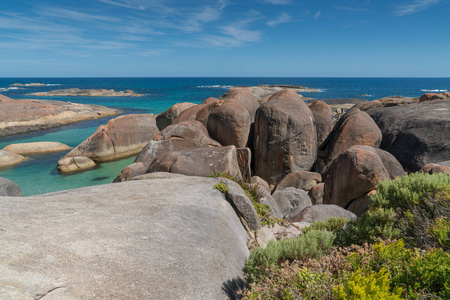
{"type": "Point", "coordinates": [435, 168]}
{"type": "Point", "coordinates": [198, 162]}
{"type": "Point", "coordinates": [120, 137]}
{"type": "Point", "coordinates": [9, 159]}
{"type": "Point", "coordinates": [267, 199]}
{"type": "Point", "coordinates": [300, 180]}
{"type": "Point", "coordinates": [166, 118]}
{"type": "Point", "coordinates": [323, 213]}
{"type": "Point", "coordinates": [192, 131]}
{"type": "Point", "coordinates": [433, 96]}
{"type": "Point", "coordinates": [391, 164]}
{"type": "Point", "coordinates": [133, 240]}
{"type": "Point", "coordinates": [316, 194]}
{"type": "Point", "coordinates": [291, 201]}
{"type": "Point", "coordinates": [256, 180]}
{"type": "Point", "coordinates": [416, 134]}
{"type": "Point", "coordinates": [323, 116]}
{"type": "Point", "coordinates": [241, 204]}
{"type": "Point", "coordinates": [28, 84]}
{"type": "Point", "coordinates": [133, 170]}
{"type": "Point", "coordinates": [245, 98]}
{"type": "Point", "coordinates": [285, 137]}
{"type": "Point", "coordinates": [264, 90]}
{"type": "Point", "coordinates": [208, 105]}
{"type": "Point", "coordinates": [354, 128]}
{"type": "Point", "coordinates": [292, 230]}
{"type": "Point", "coordinates": [362, 204]}
{"type": "Point", "coordinates": [444, 163]}
{"type": "Point", "coordinates": [229, 124]}
{"type": "Point", "coordinates": [263, 236]}
{"type": "Point", "coordinates": [354, 173]}
{"type": "Point", "coordinates": [88, 93]}
{"type": "Point", "coordinates": [244, 157]}
{"type": "Point", "coordinates": [25, 115]}
{"type": "Point", "coordinates": [75, 164]}
{"type": "Point", "coordinates": [36, 148]}
{"type": "Point", "coordinates": [9, 188]}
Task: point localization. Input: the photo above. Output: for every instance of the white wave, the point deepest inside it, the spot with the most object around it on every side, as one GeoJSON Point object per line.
{"type": "Point", "coordinates": [52, 84]}
{"type": "Point", "coordinates": [13, 88]}
{"type": "Point", "coordinates": [215, 86]}
{"type": "Point", "coordinates": [435, 91]}
{"type": "Point", "coordinates": [322, 90]}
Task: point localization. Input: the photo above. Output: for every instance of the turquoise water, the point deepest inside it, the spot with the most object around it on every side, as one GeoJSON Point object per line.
{"type": "Point", "coordinates": [38, 174]}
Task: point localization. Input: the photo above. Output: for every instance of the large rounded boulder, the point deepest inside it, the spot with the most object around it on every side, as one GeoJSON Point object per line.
{"type": "Point", "coordinates": [354, 128]}
{"type": "Point", "coordinates": [285, 137]}
{"type": "Point", "coordinates": [416, 134]}
{"type": "Point", "coordinates": [229, 124]}
{"type": "Point", "coordinates": [245, 97]}
{"type": "Point", "coordinates": [352, 175]}
{"type": "Point", "coordinates": [9, 159]}
{"type": "Point", "coordinates": [323, 116]}
{"type": "Point", "coordinates": [120, 137]}
{"type": "Point", "coordinates": [166, 118]}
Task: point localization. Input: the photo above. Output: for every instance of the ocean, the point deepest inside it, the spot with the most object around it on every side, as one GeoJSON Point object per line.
{"type": "Point", "coordinates": [38, 174]}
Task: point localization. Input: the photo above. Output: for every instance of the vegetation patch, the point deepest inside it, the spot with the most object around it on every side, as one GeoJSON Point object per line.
{"type": "Point", "coordinates": [254, 195]}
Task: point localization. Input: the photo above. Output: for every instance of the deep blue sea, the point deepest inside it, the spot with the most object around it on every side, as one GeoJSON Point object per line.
{"type": "Point", "coordinates": [38, 174]}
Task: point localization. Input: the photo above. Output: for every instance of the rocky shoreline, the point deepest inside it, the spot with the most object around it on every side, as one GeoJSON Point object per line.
{"type": "Point", "coordinates": [163, 224]}
{"type": "Point", "coordinates": [25, 115]}
{"type": "Point", "coordinates": [88, 93]}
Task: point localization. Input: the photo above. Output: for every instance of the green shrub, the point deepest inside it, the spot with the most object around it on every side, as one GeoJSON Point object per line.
{"type": "Point", "coordinates": [386, 270]}
{"type": "Point", "coordinates": [406, 208]}
{"type": "Point", "coordinates": [310, 245]}
{"type": "Point", "coordinates": [332, 224]}
{"type": "Point", "coordinates": [372, 286]}
{"type": "Point", "coordinates": [221, 187]}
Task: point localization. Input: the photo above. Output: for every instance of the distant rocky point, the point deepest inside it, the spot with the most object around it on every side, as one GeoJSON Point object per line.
{"type": "Point", "coordinates": [88, 93]}
{"type": "Point", "coordinates": [264, 90]}
{"type": "Point", "coordinates": [28, 84]}
{"type": "Point", "coordinates": [25, 115]}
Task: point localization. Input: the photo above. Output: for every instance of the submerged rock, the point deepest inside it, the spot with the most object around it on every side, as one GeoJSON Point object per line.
{"type": "Point", "coordinates": [88, 93]}
{"type": "Point", "coordinates": [9, 159]}
{"type": "Point", "coordinates": [36, 148]}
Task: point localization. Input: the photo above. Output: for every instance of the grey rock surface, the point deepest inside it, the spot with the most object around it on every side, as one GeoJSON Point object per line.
{"type": "Point", "coordinates": [323, 213]}
{"type": "Point", "coordinates": [242, 204]}
{"type": "Point", "coordinates": [291, 201]}
{"type": "Point", "coordinates": [9, 188]}
{"type": "Point", "coordinates": [172, 238]}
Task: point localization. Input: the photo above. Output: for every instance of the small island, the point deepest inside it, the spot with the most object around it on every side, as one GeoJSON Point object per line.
{"type": "Point", "coordinates": [88, 93]}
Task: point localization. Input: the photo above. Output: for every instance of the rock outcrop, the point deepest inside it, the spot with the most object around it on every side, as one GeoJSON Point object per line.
{"type": "Point", "coordinates": [174, 238]}
{"type": "Point", "coordinates": [354, 128]}
{"type": "Point", "coordinates": [88, 93]}
{"type": "Point", "coordinates": [166, 118]}
{"type": "Point", "coordinates": [285, 137]}
{"type": "Point", "coordinates": [75, 164]}
{"type": "Point", "coordinates": [198, 162]}
{"type": "Point", "coordinates": [323, 213]}
{"type": "Point", "coordinates": [416, 134]}
{"type": "Point", "coordinates": [36, 148]}
{"type": "Point", "coordinates": [323, 117]}
{"type": "Point", "coordinates": [300, 180]}
{"type": "Point", "coordinates": [25, 115]}
{"type": "Point", "coordinates": [120, 137]}
{"type": "Point", "coordinates": [9, 188]}
{"type": "Point", "coordinates": [9, 159]}
{"type": "Point", "coordinates": [355, 173]}
{"type": "Point", "coordinates": [264, 90]}
{"type": "Point", "coordinates": [291, 201]}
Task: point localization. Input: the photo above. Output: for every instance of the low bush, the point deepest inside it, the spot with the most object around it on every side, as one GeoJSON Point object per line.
{"type": "Point", "coordinates": [333, 224]}
{"type": "Point", "coordinates": [386, 270]}
{"type": "Point", "coordinates": [415, 208]}
{"type": "Point", "coordinates": [309, 245]}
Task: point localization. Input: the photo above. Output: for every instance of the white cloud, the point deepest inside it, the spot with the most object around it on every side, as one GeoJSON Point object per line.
{"type": "Point", "coordinates": [414, 7]}
{"type": "Point", "coordinates": [73, 15]}
{"type": "Point", "coordinates": [283, 18]}
{"type": "Point", "coordinates": [350, 8]}
{"type": "Point", "coordinates": [317, 15]}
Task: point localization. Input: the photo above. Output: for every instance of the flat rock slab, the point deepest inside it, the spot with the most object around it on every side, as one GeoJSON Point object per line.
{"type": "Point", "coordinates": [36, 148]}
{"type": "Point", "coordinates": [173, 238]}
{"type": "Point", "coordinates": [25, 115]}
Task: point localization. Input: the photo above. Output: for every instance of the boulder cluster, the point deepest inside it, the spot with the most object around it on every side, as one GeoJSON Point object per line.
{"type": "Point", "coordinates": [299, 154]}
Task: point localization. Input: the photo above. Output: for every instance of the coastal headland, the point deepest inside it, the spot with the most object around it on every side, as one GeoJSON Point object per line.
{"type": "Point", "coordinates": [25, 115]}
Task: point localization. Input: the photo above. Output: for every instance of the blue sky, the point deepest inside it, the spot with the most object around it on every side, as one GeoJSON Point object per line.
{"type": "Point", "coordinates": [274, 38]}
